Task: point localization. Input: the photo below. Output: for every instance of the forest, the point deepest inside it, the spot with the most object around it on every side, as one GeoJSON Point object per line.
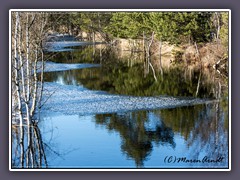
{"type": "Point", "coordinates": [197, 37]}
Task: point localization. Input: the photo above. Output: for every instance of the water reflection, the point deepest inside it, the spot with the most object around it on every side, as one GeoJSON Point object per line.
{"type": "Point", "coordinates": [28, 148]}
{"type": "Point", "coordinates": [130, 81]}
{"type": "Point", "coordinates": [125, 73]}
{"type": "Point", "coordinates": [138, 130]}
{"type": "Point", "coordinates": [203, 128]}
{"type": "Point", "coordinates": [142, 139]}
{"type": "Point", "coordinates": [94, 53]}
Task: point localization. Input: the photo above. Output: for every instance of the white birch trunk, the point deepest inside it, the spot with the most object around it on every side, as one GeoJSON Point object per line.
{"type": "Point", "coordinates": [32, 111]}
{"type": "Point", "coordinates": [27, 59]}
{"type": "Point", "coordinates": [41, 82]}
{"type": "Point", "coordinates": [148, 57]}
{"type": "Point", "coordinates": [27, 34]}
{"type": "Point", "coordinates": [198, 85]}
{"type": "Point", "coordinates": [17, 83]}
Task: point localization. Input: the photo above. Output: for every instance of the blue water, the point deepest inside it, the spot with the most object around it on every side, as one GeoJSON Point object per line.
{"type": "Point", "coordinates": [82, 142]}
{"type": "Point", "coordinates": [82, 128]}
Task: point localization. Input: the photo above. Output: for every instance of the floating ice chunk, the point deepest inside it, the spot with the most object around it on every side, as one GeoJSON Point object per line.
{"type": "Point", "coordinates": [70, 99]}
{"type": "Point", "coordinates": [52, 66]}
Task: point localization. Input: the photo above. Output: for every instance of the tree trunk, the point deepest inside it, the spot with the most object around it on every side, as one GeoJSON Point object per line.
{"type": "Point", "coordinates": [218, 26]}
{"type": "Point", "coordinates": [25, 81]}
{"type": "Point", "coordinates": [197, 51]}
{"type": "Point", "coordinates": [32, 111]}
{"type": "Point", "coordinates": [17, 84]}
{"type": "Point", "coordinates": [27, 59]}
{"type": "Point", "coordinates": [145, 51]}
{"type": "Point", "coordinates": [41, 82]}
{"type": "Point", "coordinates": [143, 42]}
{"type": "Point", "coordinates": [160, 56]}
{"type": "Point", "coordinates": [198, 85]}
{"type": "Point", "coordinates": [148, 56]}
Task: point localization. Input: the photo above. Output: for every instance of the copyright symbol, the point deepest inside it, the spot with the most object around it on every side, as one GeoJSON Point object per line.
{"type": "Point", "coordinates": [168, 159]}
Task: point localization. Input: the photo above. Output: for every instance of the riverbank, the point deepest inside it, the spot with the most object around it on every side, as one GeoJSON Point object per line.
{"type": "Point", "coordinates": [207, 55]}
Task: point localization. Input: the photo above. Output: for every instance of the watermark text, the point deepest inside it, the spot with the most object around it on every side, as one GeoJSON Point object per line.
{"type": "Point", "coordinates": [205, 159]}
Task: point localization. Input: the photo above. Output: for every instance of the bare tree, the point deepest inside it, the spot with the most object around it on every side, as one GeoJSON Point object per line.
{"type": "Point", "coordinates": [148, 56]}
{"type": "Point", "coordinates": [160, 57]}
{"type": "Point", "coordinates": [16, 87]}
{"type": "Point", "coordinates": [28, 29]}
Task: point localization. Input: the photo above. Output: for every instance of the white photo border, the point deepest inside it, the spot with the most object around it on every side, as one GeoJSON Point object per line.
{"type": "Point", "coordinates": [123, 10]}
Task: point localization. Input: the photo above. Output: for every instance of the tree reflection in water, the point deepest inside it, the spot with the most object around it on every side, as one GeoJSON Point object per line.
{"type": "Point", "coordinates": [138, 133]}
{"type": "Point", "coordinates": [204, 128]}
{"type": "Point", "coordinates": [33, 154]}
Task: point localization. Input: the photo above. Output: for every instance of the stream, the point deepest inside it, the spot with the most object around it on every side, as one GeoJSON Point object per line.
{"type": "Point", "coordinates": [103, 110]}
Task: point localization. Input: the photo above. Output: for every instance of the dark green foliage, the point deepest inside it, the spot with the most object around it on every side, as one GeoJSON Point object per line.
{"type": "Point", "coordinates": [174, 27]}
{"type": "Point", "coordinates": [168, 26]}
{"type": "Point", "coordinates": [125, 25]}
{"type": "Point", "coordinates": [224, 29]}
